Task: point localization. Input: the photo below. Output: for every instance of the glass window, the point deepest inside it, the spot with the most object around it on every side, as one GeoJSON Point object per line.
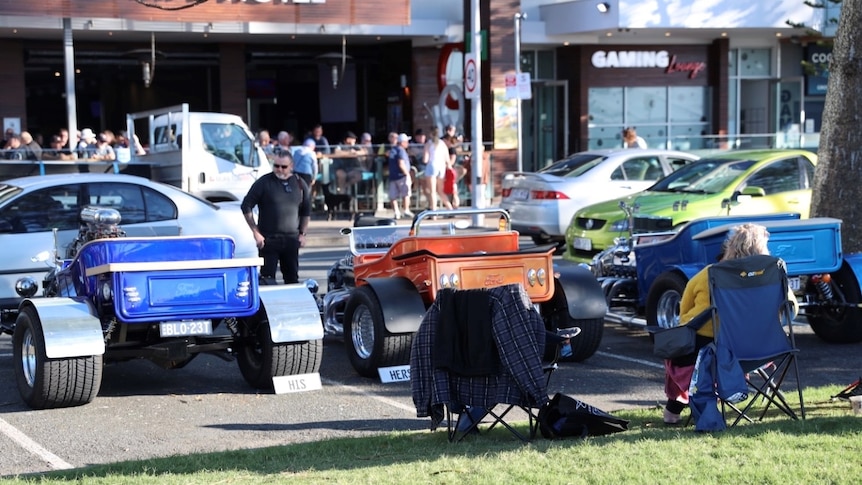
{"type": "Point", "coordinates": [646, 105]}
{"type": "Point", "coordinates": [665, 117]}
{"type": "Point", "coordinates": [777, 177]}
{"type": "Point", "coordinates": [159, 207]}
{"type": "Point", "coordinates": [754, 62]}
{"type": "Point", "coordinates": [688, 104]}
{"type": "Point", "coordinates": [731, 62]}
{"type": "Point", "coordinates": [605, 136]}
{"type": "Point", "coordinates": [606, 106]}
{"type": "Point", "coordinates": [229, 142]}
{"type": "Point", "coordinates": [126, 198]}
{"type": "Point", "coordinates": [42, 211]}
{"type": "Point", "coordinates": [546, 65]}
{"type": "Point", "coordinates": [646, 168]}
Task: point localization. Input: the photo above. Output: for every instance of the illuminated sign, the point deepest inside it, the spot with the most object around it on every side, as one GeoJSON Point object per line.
{"type": "Point", "coordinates": [645, 59]}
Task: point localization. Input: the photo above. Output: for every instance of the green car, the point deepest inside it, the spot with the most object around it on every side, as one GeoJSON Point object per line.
{"type": "Point", "coordinates": [737, 182]}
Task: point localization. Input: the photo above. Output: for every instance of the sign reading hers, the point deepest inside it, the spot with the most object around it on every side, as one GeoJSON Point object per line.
{"type": "Point", "coordinates": [645, 59]}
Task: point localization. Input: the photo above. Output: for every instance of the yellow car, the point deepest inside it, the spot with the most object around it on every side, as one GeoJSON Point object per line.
{"type": "Point", "coordinates": [737, 183]}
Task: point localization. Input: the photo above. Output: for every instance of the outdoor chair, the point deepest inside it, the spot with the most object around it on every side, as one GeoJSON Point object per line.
{"type": "Point", "coordinates": [750, 310]}
{"type": "Point", "coordinates": [477, 356]}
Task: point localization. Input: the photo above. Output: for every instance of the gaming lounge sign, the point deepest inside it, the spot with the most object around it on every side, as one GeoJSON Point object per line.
{"type": "Point", "coordinates": [646, 59]}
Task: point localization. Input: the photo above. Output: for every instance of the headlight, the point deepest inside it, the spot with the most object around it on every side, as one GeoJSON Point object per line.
{"type": "Point", "coordinates": [26, 287]}
{"type": "Point", "coordinates": [620, 226]}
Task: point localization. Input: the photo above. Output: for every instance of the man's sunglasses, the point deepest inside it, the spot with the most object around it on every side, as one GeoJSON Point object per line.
{"type": "Point", "coordinates": [280, 166]}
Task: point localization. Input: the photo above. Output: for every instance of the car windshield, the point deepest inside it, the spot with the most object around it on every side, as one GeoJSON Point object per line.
{"type": "Point", "coordinates": [8, 191]}
{"type": "Point", "coordinates": [573, 166]}
{"type": "Point", "coordinates": [705, 176]}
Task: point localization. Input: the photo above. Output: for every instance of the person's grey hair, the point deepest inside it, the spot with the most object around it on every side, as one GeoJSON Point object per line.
{"type": "Point", "coordinates": [309, 142]}
{"type": "Point", "coordinates": [746, 240]}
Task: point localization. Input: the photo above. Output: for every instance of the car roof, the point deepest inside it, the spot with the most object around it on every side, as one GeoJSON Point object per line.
{"type": "Point", "coordinates": [633, 151]}
{"type": "Point", "coordinates": [55, 179]}
{"type": "Point", "coordinates": [758, 155]}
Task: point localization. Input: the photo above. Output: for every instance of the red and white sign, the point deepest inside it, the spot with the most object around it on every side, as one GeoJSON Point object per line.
{"type": "Point", "coordinates": [518, 86]}
{"type": "Point", "coordinates": [471, 77]}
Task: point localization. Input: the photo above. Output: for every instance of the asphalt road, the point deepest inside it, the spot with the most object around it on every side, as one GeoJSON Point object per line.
{"type": "Point", "coordinates": [143, 411]}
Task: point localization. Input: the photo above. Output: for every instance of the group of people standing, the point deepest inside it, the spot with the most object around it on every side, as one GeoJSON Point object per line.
{"type": "Point", "coordinates": [89, 146]}
{"type": "Point", "coordinates": [434, 158]}
{"type": "Point", "coordinates": [283, 198]}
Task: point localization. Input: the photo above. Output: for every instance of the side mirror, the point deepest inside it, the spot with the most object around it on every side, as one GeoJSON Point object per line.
{"type": "Point", "coordinates": [753, 191]}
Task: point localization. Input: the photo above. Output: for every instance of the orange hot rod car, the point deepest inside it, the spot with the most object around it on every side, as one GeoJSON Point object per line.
{"type": "Point", "coordinates": [378, 294]}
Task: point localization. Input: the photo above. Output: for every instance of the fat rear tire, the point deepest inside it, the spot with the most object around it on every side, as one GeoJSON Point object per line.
{"type": "Point", "coordinates": [662, 305]}
{"type": "Point", "coordinates": [50, 383]}
{"type": "Point", "coordinates": [842, 325]}
{"type": "Point", "coordinates": [260, 359]}
{"type": "Point", "coordinates": [585, 344]}
{"type": "Point", "coordinates": [368, 344]}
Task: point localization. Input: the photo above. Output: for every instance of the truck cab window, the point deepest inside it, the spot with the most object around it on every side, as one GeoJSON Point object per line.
{"type": "Point", "coordinates": [229, 142]}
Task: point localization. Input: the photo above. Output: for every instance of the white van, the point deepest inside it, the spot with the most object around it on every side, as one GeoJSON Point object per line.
{"type": "Point", "coordinates": [211, 155]}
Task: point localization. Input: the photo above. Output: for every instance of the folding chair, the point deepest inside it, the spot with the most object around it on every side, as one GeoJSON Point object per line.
{"type": "Point", "coordinates": [477, 356]}
{"type": "Point", "coordinates": [559, 340]}
{"type": "Point", "coordinates": [750, 309]}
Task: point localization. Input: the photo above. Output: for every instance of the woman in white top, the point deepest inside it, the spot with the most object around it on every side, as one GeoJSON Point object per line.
{"type": "Point", "coordinates": [436, 160]}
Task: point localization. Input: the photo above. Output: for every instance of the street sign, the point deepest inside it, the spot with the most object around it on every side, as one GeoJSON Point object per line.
{"type": "Point", "coordinates": [518, 85]}
{"type": "Point", "coordinates": [471, 77]}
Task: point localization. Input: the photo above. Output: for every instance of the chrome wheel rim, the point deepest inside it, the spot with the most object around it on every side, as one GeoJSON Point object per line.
{"type": "Point", "coordinates": [28, 358]}
{"type": "Point", "coordinates": [667, 310]}
{"type": "Point", "coordinates": [362, 332]}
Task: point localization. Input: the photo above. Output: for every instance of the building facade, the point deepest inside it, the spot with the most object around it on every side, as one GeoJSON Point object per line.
{"type": "Point", "coordinates": [689, 75]}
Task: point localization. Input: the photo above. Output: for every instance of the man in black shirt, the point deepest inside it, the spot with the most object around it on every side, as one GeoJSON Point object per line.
{"type": "Point", "coordinates": [284, 209]}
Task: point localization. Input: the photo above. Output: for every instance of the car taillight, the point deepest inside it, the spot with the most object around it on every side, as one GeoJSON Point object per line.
{"type": "Point", "coordinates": [507, 192]}
{"type": "Point", "coordinates": [547, 195]}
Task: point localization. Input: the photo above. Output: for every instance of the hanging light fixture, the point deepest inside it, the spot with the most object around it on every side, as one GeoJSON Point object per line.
{"type": "Point", "coordinates": [149, 68]}
{"type": "Point", "coordinates": [337, 62]}
{"type": "Point", "coordinates": [147, 60]}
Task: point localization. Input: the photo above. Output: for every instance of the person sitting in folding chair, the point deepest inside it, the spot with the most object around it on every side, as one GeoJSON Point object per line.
{"type": "Point", "coordinates": [742, 241]}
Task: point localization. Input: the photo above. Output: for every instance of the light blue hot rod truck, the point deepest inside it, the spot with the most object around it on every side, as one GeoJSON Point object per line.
{"type": "Point", "coordinates": [643, 275]}
{"type": "Point", "coordinates": [165, 299]}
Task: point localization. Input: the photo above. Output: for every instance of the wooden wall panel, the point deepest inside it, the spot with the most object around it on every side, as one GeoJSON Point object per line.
{"type": "Point", "coordinates": [350, 12]}
{"type": "Point", "coordinates": [233, 84]}
{"type": "Point", "coordinates": [14, 103]}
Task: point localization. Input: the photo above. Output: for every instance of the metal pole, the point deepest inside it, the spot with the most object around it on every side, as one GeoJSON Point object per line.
{"type": "Point", "coordinates": [69, 71]}
{"type": "Point", "coordinates": [518, 18]}
{"type": "Point", "coordinates": [476, 146]}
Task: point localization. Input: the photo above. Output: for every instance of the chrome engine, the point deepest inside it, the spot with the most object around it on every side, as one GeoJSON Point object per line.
{"type": "Point", "coordinates": [96, 223]}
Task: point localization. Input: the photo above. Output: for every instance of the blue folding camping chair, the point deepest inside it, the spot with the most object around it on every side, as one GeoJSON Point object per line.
{"type": "Point", "coordinates": [751, 310]}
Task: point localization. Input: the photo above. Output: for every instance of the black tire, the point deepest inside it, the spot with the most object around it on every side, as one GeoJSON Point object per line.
{"type": "Point", "coordinates": [368, 344]}
{"type": "Point", "coordinates": [840, 325]}
{"type": "Point", "coordinates": [50, 383]}
{"type": "Point", "coordinates": [260, 359]}
{"type": "Point", "coordinates": [662, 305]}
{"type": "Point", "coordinates": [555, 313]}
{"type": "Point", "coordinates": [585, 344]}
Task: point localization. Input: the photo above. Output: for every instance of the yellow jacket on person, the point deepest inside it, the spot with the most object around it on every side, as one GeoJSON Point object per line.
{"type": "Point", "coordinates": [695, 299]}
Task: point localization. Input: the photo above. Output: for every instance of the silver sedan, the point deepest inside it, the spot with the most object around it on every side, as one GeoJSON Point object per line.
{"type": "Point", "coordinates": [31, 207]}
{"type": "Point", "coordinates": [542, 203]}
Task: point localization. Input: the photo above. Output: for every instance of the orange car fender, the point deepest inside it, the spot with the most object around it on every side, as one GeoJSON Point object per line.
{"type": "Point", "coordinates": [400, 302]}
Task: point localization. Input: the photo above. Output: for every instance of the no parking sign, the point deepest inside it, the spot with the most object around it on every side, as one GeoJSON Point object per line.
{"type": "Point", "coordinates": [471, 77]}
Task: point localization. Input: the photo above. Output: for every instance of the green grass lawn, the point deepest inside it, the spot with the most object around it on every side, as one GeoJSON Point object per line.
{"type": "Point", "coordinates": [825, 448]}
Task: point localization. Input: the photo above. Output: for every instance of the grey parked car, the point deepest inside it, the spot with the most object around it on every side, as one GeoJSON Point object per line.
{"type": "Point", "coordinates": [542, 203]}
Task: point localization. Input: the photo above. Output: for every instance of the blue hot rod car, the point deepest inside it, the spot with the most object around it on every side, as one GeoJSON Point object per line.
{"type": "Point", "coordinates": [165, 299]}
{"type": "Point", "coordinates": [643, 276]}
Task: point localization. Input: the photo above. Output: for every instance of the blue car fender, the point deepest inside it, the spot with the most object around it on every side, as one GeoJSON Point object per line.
{"type": "Point", "coordinates": [70, 327]}
{"type": "Point", "coordinates": [854, 261]}
{"type": "Point", "coordinates": [583, 292]}
{"type": "Point", "coordinates": [400, 303]}
{"type": "Point", "coordinates": [292, 313]}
